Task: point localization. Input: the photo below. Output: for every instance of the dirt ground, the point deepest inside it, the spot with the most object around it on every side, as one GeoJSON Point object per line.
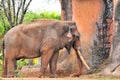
{"type": "Point", "coordinates": [31, 74]}
{"type": "Point", "coordinates": [82, 77]}
{"type": "Point", "coordinates": [64, 75]}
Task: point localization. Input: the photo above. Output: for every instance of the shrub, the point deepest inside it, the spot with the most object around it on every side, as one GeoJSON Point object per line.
{"type": "Point", "coordinates": [21, 63]}
{"type": "Point", "coordinates": [49, 15]}
{"type": "Point", "coordinates": [4, 28]}
{"type": "Point", "coordinates": [29, 17]}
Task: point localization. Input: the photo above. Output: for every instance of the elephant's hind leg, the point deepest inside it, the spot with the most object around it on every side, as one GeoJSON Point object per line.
{"type": "Point", "coordinates": [11, 67]}
{"type": "Point", "coordinates": [4, 68]}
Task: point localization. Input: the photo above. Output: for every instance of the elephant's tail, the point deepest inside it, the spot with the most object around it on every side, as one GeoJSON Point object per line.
{"type": "Point", "coordinates": [4, 63]}
{"type": "Point", "coordinates": [3, 46]}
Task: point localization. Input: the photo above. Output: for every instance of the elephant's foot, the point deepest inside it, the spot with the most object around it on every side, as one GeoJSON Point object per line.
{"type": "Point", "coordinates": [11, 76]}
{"type": "Point", "coordinates": [53, 76]}
{"type": "Point", "coordinates": [4, 76]}
{"type": "Point", "coordinates": [76, 74]}
{"type": "Point", "coordinates": [40, 75]}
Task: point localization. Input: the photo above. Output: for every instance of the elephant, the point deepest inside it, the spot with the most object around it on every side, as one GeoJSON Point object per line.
{"type": "Point", "coordinates": [40, 38]}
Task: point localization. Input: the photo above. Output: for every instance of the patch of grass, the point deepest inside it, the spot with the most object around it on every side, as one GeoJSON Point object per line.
{"type": "Point", "coordinates": [21, 63]}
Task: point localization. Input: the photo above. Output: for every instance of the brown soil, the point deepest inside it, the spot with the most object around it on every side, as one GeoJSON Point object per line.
{"type": "Point", "coordinates": [82, 77]}
{"type": "Point", "coordinates": [33, 72]}
{"type": "Point", "coordinates": [63, 76]}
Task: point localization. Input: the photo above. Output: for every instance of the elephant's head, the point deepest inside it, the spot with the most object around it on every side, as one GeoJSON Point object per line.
{"type": "Point", "coordinates": [75, 37]}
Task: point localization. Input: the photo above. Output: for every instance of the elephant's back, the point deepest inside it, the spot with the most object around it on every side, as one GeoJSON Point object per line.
{"type": "Point", "coordinates": [13, 31]}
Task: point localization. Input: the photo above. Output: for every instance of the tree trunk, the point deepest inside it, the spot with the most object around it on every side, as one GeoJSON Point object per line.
{"type": "Point", "coordinates": [113, 68]}
{"type": "Point", "coordinates": [66, 9]}
{"type": "Point", "coordinates": [102, 41]}
{"type": "Point", "coordinates": [14, 11]}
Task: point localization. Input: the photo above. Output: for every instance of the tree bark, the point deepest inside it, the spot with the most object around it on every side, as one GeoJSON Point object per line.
{"type": "Point", "coordinates": [102, 42]}
{"type": "Point", "coordinates": [66, 9]}
{"type": "Point", "coordinates": [113, 67]}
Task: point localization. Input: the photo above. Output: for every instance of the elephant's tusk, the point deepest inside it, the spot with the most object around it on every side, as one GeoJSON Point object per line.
{"type": "Point", "coordinates": [84, 62]}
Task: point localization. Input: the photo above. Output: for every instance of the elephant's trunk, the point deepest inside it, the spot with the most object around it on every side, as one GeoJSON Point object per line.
{"type": "Point", "coordinates": [68, 48]}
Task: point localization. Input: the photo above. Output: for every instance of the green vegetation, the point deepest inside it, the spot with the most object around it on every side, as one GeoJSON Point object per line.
{"type": "Point", "coordinates": [3, 27]}
{"type": "Point", "coordinates": [49, 15]}
{"type": "Point", "coordinates": [21, 63]}
{"type": "Point", "coordinates": [28, 18]}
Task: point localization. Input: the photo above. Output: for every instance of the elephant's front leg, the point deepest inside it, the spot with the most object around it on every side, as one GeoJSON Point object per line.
{"type": "Point", "coordinates": [80, 65]}
{"type": "Point", "coordinates": [53, 65]}
{"type": "Point", "coordinates": [45, 58]}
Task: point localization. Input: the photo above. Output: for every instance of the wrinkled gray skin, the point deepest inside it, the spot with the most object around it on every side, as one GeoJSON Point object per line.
{"type": "Point", "coordinates": [43, 38]}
